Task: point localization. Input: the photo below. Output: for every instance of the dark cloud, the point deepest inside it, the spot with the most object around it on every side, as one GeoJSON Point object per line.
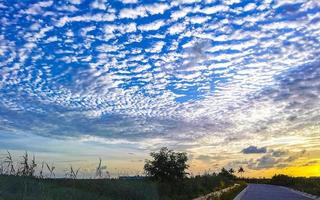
{"type": "Point", "coordinates": [208, 158]}
{"type": "Point", "coordinates": [254, 149]}
{"type": "Point", "coordinates": [266, 161]}
{"type": "Point", "coordinates": [275, 159]}
{"type": "Point", "coordinates": [196, 53]}
{"type": "Point", "coordinates": [310, 163]}
{"type": "Point", "coordinates": [295, 98]}
{"type": "Point", "coordinates": [278, 153]}
{"type": "Point", "coordinates": [295, 156]}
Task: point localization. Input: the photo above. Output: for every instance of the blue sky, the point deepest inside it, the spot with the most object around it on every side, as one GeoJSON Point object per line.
{"type": "Point", "coordinates": [129, 75]}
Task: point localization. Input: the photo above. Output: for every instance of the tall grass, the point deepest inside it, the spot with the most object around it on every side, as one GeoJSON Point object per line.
{"type": "Point", "coordinates": [309, 185]}
{"type": "Point", "coordinates": [231, 194]}
{"type": "Point", "coordinates": [30, 188]}
{"type": "Point", "coordinates": [19, 181]}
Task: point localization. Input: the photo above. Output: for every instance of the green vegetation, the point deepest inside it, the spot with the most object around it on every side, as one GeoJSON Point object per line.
{"type": "Point", "coordinates": [28, 188]}
{"type": "Point", "coordinates": [167, 179]}
{"type": "Point", "coordinates": [231, 194]}
{"type": "Point", "coordinates": [190, 188]}
{"type": "Point", "coordinates": [167, 165]}
{"type": "Point", "coordinates": [308, 185]}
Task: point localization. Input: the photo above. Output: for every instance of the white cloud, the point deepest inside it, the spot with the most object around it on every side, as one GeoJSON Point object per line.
{"type": "Point", "coordinates": [180, 13]}
{"type": "Point", "coordinates": [152, 26]}
{"type": "Point", "coordinates": [132, 27]}
{"type": "Point", "coordinates": [69, 33]}
{"type": "Point", "coordinates": [231, 2]}
{"type": "Point", "coordinates": [281, 25]}
{"type": "Point", "coordinates": [86, 18]}
{"type": "Point", "coordinates": [107, 48]}
{"type": "Point", "coordinates": [199, 20]}
{"type": "Point", "coordinates": [129, 1]}
{"type": "Point", "coordinates": [157, 47]}
{"type": "Point", "coordinates": [99, 4]}
{"type": "Point", "coordinates": [51, 39]}
{"type": "Point", "coordinates": [35, 26]}
{"type": "Point", "coordinates": [157, 8]}
{"type": "Point", "coordinates": [278, 3]}
{"type": "Point", "coordinates": [45, 3]}
{"type": "Point", "coordinates": [2, 6]}
{"type": "Point", "coordinates": [110, 29]}
{"type": "Point", "coordinates": [214, 9]}
{"type": "Point", "coordinates": [69, 8]}
{"type": "Point", "coordinates": [250, 6]}
{"type": "Point", "coordinates": [176, 28]}
{"type": "Point", "coordinates": [76, 2]}
{"type": "Point", "coordinates": [143, 11]}
{"type": "Point", "coordinates": [232, 105]}
{"type": "Point", "coordinates": [133, 13]}
{"type": "Point", "coordinates": [142, 68]}
{"type": "Point", "coordinates": [188, 1]}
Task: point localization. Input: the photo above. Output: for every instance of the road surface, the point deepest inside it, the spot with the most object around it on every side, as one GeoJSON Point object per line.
{"type": "Point", "coordinates": [270, 192]}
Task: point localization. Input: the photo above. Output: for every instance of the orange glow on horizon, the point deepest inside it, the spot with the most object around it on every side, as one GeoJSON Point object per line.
{"type": "Point", "coordinates": [296, 171]}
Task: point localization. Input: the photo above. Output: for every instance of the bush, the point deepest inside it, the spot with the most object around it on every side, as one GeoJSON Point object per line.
{"type": "Point", "coordinates": [167, 165]}
{"type": "Point", "coordinates": [230, 195]}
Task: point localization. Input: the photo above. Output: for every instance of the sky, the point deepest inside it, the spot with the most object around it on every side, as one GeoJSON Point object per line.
{"type": "Point", "coordinates": [232, 83]}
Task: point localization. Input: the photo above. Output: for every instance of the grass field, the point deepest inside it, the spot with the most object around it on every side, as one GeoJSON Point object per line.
{"type": "Point", "coordinates": [308, 185]}
{"type": "Point", "coordinates": [230, 195]}
{"type": "Point", "coordinates": [27, 188]}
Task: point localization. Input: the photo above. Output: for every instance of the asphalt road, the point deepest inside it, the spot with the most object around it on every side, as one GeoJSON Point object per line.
{"type": "Point", "coordinates": [270, 192]}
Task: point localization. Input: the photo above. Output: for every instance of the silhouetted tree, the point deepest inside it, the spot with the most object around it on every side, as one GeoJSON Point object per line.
{"type": "Point", "coordinates": [231, 171]}
{"type": "Point", "coordinates": [226, 173]}
{"type": "Point", "coordinates": [1, 168]}
{"type": "Point", "coordinates": [72, 173]}
{"type": "Point", "coordinates": [283, 180]}
{"type": "Point", "coordinates": [241, 170]}
{"type": "Point", "coordinates": [24, 169]}
{"type": "Point", "coordinates": [41, 170]}
{"type": "Point", "coordinates": [99, 170]}
{"type": "Point", "coordinates": [27, 169]}
{"type": "Point", "coordinates": [167, 165]}
{"type": "Point", "coordinates": [9, 161]}
{"type": "Point", "coordinates": [51, 170]}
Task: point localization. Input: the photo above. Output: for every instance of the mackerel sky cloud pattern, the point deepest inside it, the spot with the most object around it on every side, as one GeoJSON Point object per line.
{"type": "Point", "coordinates": [184, 72]}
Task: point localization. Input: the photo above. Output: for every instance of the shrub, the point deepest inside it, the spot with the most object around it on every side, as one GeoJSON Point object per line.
{"type": "Point", "coordinates": [167, 165]}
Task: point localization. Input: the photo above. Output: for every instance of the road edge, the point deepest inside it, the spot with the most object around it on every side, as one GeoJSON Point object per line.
{"type": "Point", "coordinates": [313, 197]}
{"type": "Point", "coordinates": [240, 195]}
{"type": "Point", "coordinates": [215, 193]}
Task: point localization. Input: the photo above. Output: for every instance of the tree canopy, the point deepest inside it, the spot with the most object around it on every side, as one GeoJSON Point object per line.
{"type": "Point", "coordinates": [227, 173]}
{"type": "Point", "coordinates": [167, 165]}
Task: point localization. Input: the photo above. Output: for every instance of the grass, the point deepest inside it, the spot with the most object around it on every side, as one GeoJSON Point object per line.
{"type": "Point", "coordinates": [308, 185]}
{"type": "Point", "coordinates": [193, 187]}
{"type": "Point", "coordinates": [28, 188]}
{"type": "Point", "coordinates": [24, 185]}
{"type": "Point", "coordinates": [14, 188]}
{"type": "Point", "coordinates": [230, 195]}
{"type": "Point", "coordinates": [20, 182]}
